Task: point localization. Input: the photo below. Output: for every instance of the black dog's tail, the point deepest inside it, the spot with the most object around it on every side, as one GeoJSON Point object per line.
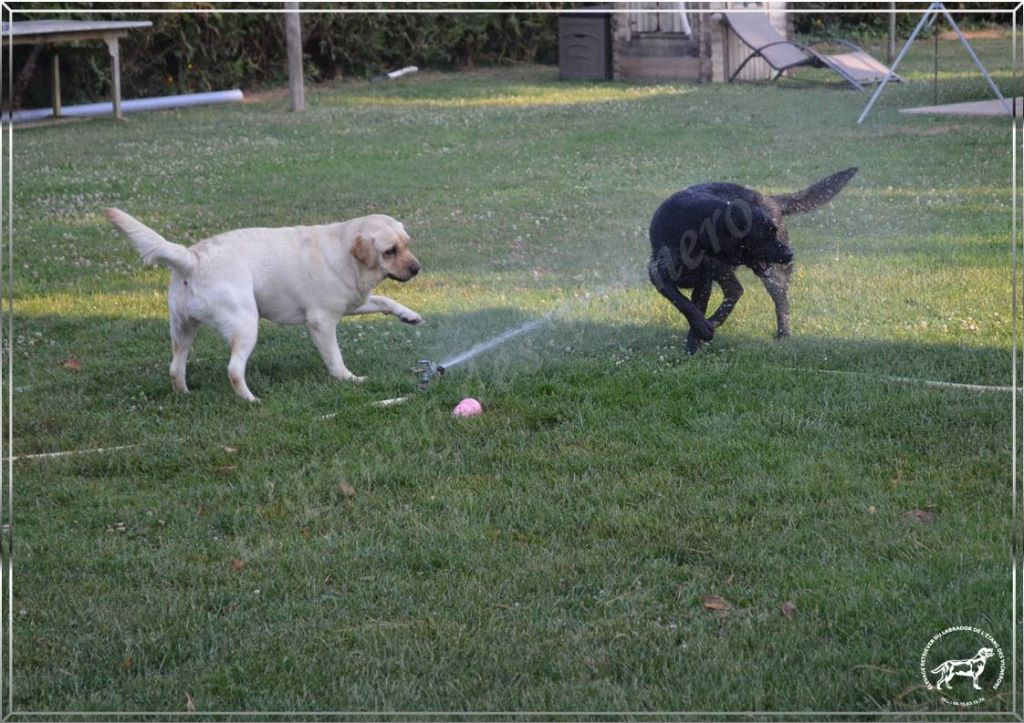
{"type": "Point", "coordinates": [815, 195]}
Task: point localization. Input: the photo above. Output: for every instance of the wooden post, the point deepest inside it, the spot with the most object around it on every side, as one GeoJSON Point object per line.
{"type": "Point", "coordinates": [703, 75]}
{"type": "Point", "coordinates": [293, 39]}
{"type": "Point", "coordinates": [890, 52]}
{"type": "Point", "coordinates": [56, 84]}
{"type": "Point", "coordinates": [115, 62]}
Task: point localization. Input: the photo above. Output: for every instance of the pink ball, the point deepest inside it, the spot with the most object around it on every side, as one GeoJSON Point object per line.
{"type": "Point", "coordinates": [468, 407]}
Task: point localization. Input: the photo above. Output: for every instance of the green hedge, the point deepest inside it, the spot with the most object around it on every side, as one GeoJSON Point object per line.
{"type": "Point", "coordinates": [206, 50]}
{"type": "Point", "coordinates": [820, 19]}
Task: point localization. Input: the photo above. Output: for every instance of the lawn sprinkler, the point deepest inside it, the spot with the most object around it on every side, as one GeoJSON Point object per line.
{"type": "Point", "coordinates": [427, 371]}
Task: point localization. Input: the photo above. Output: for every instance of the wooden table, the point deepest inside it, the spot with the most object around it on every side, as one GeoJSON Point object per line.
{"type": "Point", "coordinates": [54, 32]}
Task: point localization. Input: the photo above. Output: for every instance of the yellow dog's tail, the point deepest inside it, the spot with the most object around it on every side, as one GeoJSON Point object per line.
{"type": "Point", "coordinates": [151, 246]}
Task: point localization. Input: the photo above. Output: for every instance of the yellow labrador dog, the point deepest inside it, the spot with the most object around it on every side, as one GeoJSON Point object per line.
{"type": "Point", "coordinates": [312, 275]}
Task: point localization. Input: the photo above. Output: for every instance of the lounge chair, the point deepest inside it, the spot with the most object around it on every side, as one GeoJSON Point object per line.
{"type": "Point", "coordinates": [855, 67]}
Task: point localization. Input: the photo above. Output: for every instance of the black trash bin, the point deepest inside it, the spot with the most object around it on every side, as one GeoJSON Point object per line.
{"type": "Point", "coordinates": [585, 46]}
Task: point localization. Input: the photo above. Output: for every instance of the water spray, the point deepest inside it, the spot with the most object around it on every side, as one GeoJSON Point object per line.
{"type": "Point", "coordinates": [429, 370]}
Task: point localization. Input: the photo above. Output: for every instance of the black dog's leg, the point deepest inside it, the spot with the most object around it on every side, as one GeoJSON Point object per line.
{"type": "Point", "coordinates": [776, 283]}
{"type": "Point", "coordinates": [695, 317]}
{"type": "Point", "coordinates": [732, 289]}
{"type": "Point", "coordinates": [701, 294]}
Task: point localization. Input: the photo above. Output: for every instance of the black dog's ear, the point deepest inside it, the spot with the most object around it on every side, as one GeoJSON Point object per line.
{"type": "Point", "coordinates": [726, 227]}
{"type": "Point", "coordinates": [762, 227]}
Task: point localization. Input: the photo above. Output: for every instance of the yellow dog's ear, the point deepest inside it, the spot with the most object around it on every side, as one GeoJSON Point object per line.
{"type": "Point", "coordinates": [362, 249]}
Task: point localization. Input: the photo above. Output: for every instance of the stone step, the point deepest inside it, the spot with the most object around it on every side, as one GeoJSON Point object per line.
{"type": "Point", "coordinates": [659, 68]}
{"type": "Point", "coordinates": [659, 46]}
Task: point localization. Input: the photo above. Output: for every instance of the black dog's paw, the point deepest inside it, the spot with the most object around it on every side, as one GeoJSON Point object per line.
{"type": "Point", "coordinates": [700, 332]}
{"type": "Point", "coordinates": [782, 334]}
{"type": "Point", "coordinates": [704, 330]}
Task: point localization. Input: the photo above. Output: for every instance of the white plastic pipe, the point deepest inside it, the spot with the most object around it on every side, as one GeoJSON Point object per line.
{"type": "Point", "coordinates": [395, 74]}
{"type": "Point", "coordinates": [130, 106]}
{"type": "Point", "coordinates": [402, 71]}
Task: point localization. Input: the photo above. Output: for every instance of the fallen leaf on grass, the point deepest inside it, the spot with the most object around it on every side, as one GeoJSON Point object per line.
{"type": "Point", "coordinates": [127, 663]}
{"type": "Point", "coordinates": [920, 516]}
{"type": "Point", "coordinates": [190, 703]}
{"type": "Point", "coordinates": [787, 609]}
{"type": "Point", "coordinates": [347, 490]}
{"type": "Point", "coordinates": [237, 565]}
{"type": "Point", "coordinates": [72, 364]}
{"type": "Point", "coordinates": [715, 603]}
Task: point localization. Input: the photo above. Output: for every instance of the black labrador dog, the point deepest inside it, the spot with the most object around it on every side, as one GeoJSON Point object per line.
{"type": "Point", "coordinates": [702, 233]}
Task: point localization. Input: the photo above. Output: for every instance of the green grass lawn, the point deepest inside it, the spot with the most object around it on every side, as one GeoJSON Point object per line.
{"type": "Point", "coordinates": [554, 554]}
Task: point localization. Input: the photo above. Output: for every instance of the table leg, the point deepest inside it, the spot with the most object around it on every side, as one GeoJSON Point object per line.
{"type": "Point", "coordinates": [56, 84]}
{"type": "Point", "coordinates": [115, 63]}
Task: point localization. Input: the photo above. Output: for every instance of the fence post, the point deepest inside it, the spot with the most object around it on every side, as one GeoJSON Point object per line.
{"type": "Point", "coordinates": [293, 39]}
